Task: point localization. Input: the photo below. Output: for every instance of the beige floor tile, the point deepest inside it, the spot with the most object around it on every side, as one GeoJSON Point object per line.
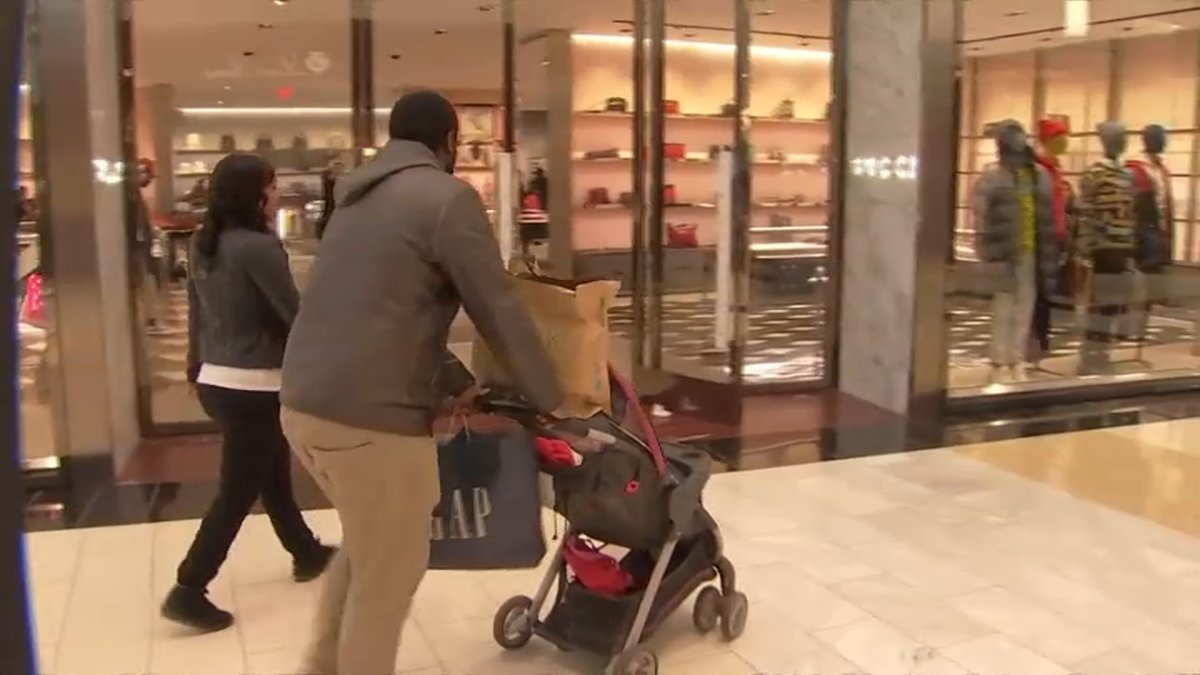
{"type": "Point", "coordinates": [928, 620]}
{"type": "Point", "coordinates": [774, 643]}
{"type": "Point", "coordinates": [178, 652]}
{"type": "Point", "coordinates": [808, 604]}
{"type": "Point", "coordinates": [879, 649]}
{"type": "Point", "coordinates": [823, 562]}
{"type": "Point", "coordinates": [998, 655]}
{"type": "Point", "coordinates": [1122, 662]}
{"type": "Point", "coordinates": [1043, 631]}
{"type": "Point", "coordinates": [914, 566]}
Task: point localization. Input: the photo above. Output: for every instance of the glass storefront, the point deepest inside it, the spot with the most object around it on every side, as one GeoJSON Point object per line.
{"type": "Point", "coordinates": [279, 87]}
{"type": "Point", "coordinates": [36, 330]}
{"type": "Point", "coordinates": [1100, 108]}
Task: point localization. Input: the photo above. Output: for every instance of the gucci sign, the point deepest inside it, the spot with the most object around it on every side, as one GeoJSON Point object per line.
{"type": "Point", "coordinates": [901, 167]}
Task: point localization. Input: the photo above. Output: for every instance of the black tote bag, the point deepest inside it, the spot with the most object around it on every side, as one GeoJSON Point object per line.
{"type": "Point", "coordinates": [490, 514]}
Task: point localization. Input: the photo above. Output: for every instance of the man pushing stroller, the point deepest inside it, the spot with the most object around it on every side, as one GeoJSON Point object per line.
{"type": "Point", "coordinates": [367, 368]}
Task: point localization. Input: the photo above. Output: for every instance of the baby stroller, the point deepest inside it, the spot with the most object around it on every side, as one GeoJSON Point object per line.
{"type": "Point", "coordinates": [634, 492]}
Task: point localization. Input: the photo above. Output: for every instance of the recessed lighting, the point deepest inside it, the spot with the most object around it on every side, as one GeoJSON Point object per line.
{"type": "Point", "coordinates": [280, 3]}
{"type": "Point", "coordinates": [221, 102]}
{"type": "Point", "coordinates": [227, 87]}
{"type": "Point", "coordinates": [266, 26]}
{"type": "Point", "coordinates": [545, 62]}
{"type": "Point", "coordinates": [440, 31]}
{"type": "Point", "coordinates": [247, 53]}
{"type": "Point", "coordinates": [765, 12]}
{"type": "Point", "coordinates": [485, 8]}
{"type": "Point", "coordinates": [394, 57]}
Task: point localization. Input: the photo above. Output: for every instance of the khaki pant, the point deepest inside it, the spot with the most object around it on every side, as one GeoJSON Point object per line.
{"type": "Point", "coordinates": [384, 488]}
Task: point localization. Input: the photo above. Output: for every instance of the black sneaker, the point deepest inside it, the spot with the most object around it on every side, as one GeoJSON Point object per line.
{"type": "Point", "coordinates": [311, 568]}
{"type": "Point", "coordinates": [193, 609]}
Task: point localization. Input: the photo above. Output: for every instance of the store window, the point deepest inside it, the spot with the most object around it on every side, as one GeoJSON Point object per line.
{"type": "Point", "coordinates": [36, 328]}
{"type": "Point", "coordinates": [277, 83]}
{"type": "Point", "coordinates": [688, 325]}
{"type": "Point", "coordinates": [1076, 243]}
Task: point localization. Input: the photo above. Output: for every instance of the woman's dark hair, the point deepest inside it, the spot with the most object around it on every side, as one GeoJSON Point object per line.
{"type": "Point", "coordinates": [235, 200]}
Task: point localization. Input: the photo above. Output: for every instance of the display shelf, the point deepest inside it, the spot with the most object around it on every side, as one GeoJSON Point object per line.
{"type": "Point", "coordinates": [700, 117]}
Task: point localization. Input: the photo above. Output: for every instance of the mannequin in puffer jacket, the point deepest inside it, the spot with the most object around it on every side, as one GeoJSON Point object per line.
{"type": "Point", "coordinates": [1013, 209]}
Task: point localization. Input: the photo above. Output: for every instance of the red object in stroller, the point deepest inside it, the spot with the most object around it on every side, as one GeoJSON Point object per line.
{"type": "Point", "coordinates": [668, 563]}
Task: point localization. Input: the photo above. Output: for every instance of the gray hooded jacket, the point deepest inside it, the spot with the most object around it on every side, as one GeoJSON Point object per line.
{"type": "Point", "coordinates": [407, 244]}
{"type": "Point", "coordinates": [996, 210]}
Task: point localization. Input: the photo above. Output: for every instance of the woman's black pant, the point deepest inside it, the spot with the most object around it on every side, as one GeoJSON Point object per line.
{"type": "Point", "coordinates": [255, 463]}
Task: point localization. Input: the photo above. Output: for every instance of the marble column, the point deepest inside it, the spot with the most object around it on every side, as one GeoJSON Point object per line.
{"type": "Point", "coordinates": [895, 81]}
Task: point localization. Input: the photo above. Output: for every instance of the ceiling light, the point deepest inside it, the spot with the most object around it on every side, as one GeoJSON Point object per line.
{"type": "Point", "coordinates": [394, 57]}
{"type": "Point", "coordinates": [1078, 15]}
{"type": "Point", "coordinates": [266, 26]}
{"type": "Point", "coordinates": [783, 53]}
{"type": "Point", "coordinates": [440, 31]}
{"type": "Point", "coordinates": [227, 87]}
{"type": "Point", "coordinates": [24, 87]}
{"type": "Point", "coordinates": [247, 53]}
{"type": "Point", "coordinates": [280, 3]}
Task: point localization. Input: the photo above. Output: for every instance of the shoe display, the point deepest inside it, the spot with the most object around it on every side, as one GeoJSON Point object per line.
{"type": "Point", "coordinates": [192, 608]}
{"type": "Point", "coordinates": [785, 110]}
{"type": "Point", "coordinates": [670, 107]}
{"type": "Point", "coordinates": [616, 104]}
{"type": "Point", "coordinates": [307, 570]}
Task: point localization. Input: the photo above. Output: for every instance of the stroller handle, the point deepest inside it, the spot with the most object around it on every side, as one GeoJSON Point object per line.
{"type": "Point", "coordinates": [516, 408]}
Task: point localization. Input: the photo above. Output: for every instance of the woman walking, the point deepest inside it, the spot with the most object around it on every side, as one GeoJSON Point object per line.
{"type": "Point", "coordinates": [241, 303]}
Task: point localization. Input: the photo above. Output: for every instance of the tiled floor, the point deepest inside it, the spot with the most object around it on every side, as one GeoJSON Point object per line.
{"type": "Point", "coordinates": [1075, 553]}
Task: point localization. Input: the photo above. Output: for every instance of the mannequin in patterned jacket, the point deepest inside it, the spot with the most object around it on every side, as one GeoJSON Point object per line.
{"type": "Point", "coordinates": [1106, 243]}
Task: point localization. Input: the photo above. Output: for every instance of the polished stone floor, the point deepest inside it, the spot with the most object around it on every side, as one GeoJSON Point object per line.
{"type": "Point", "coordinates": [1062, 553]}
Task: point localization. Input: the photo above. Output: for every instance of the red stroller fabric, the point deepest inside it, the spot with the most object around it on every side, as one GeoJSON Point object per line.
{"type": "Point", "coordinates": [554, 452]}
{"type": "Point", "coordinates": [596, 570]}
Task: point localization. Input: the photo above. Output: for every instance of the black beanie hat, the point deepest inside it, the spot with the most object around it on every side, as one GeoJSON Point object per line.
{"type": "Point", "coordinates": [423, 116]}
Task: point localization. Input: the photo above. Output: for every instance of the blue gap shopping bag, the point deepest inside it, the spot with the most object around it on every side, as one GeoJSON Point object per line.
{"type": "Point", "coordinates": [490, 513]}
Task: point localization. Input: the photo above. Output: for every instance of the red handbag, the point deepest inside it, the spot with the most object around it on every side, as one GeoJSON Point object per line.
{"type": "Point", "coordinates": [675, 151]}
{"type": "Point", "coordinates": [596, 571]}
{"type": "Point", "coordinates": [682, 235]}
{"type": "Point", "coordinates": [670, 194]}
{"type": "Point", "coordinates": [671, 107]}
{"type": "Point", "coordinates": [33, 307]}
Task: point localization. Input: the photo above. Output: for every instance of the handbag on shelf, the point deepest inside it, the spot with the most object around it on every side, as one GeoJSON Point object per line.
{"type": "Point", "coordinates": [616, 104]}
{"type": "Point", "coordinates": [228, 144]}
{"type": "Point", "coordinates": [785, 110]}
{"type": "Point", "coordinates": [674, 151]}
{"type": "Point", "coordinates": [607, 153]}
{"type": "Point", "coordinates": [670, 107]}
{"type": "Point", "coordinates": [682, 235]}
{"type": "Point", "coordinates": [597, 197]}
{"type": "Point", "coordinates": [670, 194]}
{"type": "Point", "coordinates": [264, 144]}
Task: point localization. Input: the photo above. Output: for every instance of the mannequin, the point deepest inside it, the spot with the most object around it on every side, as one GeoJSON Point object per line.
{"type": "Point", "coordinates": [1154, 205]}
{"type": "Point", "coordinates": [1107, 243]}
{"type": "Point", "coordinates": [1013, 208]}
{"type": "Point", "coordinates": [1053, 140]}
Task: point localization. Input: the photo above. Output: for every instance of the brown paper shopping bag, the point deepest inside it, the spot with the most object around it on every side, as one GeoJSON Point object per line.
{"type": "Point", "coordinates": [572, 320]}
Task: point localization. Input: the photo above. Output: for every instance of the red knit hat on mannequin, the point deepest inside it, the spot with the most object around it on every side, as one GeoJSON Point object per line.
{"type": "Point", "coordinates": [1050, 128]}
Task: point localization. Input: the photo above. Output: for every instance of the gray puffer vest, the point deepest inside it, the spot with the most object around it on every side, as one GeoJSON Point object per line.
{"type": "Point", "coordinates": [996, 208]}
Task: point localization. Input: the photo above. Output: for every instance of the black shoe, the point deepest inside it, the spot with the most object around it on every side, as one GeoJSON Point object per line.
{"type": "Point", "coordinates": [193, 609]}
{"type": "Point", "coordinates": [307, 570]}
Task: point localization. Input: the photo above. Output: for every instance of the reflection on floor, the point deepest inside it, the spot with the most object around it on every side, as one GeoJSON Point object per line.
{"type": "Point", "coordinates": [1066, 554]}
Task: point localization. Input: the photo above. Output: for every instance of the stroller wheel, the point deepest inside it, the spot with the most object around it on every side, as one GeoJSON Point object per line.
{"type": "Point", "coordinates": [706, 612]}
{"type": "Point", "coordinates": [513, 626]}
{"type": "Point", "coordinates": [634, 662]}
{"type": "Point", "coordinates": [734, 608]}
